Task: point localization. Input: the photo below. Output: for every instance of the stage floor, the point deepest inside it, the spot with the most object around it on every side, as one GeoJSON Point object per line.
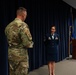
{"type": "Point", "coordinates": [65, 67]}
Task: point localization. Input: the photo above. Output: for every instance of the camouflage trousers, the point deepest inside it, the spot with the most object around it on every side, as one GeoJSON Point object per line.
{"type": "Point", "coordinates": [18, 61]}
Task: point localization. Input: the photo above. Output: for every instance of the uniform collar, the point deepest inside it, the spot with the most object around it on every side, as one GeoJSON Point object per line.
{"type": "Point", "coordinates": [18, 19]}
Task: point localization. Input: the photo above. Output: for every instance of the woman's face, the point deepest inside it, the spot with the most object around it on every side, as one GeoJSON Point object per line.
{"type": "Point", "coordinates": [53, 30]}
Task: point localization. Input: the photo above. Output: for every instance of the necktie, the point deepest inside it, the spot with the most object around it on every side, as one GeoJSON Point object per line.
{"type": "Point", "coordinates": [52, 36]}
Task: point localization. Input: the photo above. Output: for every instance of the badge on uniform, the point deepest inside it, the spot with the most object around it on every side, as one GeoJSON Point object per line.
{"type": "Point", "coordinates": [56, 38]}
{"type": "Point", "coordinates": [49, 38]}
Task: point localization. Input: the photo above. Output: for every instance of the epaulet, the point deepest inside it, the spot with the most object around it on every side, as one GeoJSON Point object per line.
{"type": "Point", "coordinates": [57, 34]}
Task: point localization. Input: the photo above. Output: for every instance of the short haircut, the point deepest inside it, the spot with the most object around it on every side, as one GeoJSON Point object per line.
{"type": "Point", "coordinates": [20, 10]}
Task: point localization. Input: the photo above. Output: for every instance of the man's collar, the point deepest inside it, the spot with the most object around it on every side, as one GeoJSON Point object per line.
{"type": "Point", "coordinates": [18, 19]}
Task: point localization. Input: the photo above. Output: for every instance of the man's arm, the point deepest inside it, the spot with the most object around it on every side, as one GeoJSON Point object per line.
{"type": "Point", "coordinates": [26, 37]}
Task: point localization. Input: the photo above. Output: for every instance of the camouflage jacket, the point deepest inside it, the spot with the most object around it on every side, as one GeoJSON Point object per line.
{"type": "Point", "coordinates": [18, 34]}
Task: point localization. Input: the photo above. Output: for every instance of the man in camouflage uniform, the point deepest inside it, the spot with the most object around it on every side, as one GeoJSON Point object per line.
{"type": "Point", "coordinates": [19, 39]}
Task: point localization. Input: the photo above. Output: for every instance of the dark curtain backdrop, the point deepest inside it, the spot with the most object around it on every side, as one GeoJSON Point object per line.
{"type": "Point", "coordinates": [74, 21]}
{"type": "Point", "coordinates": [41, 15]}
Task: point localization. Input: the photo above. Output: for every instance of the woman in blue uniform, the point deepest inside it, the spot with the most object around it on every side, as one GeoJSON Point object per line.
{"type": "Point", "coordinates": [51, 41]}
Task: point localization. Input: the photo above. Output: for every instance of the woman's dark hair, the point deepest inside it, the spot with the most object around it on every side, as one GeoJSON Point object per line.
{"type": "Point", "coordinates": [53, 26]}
